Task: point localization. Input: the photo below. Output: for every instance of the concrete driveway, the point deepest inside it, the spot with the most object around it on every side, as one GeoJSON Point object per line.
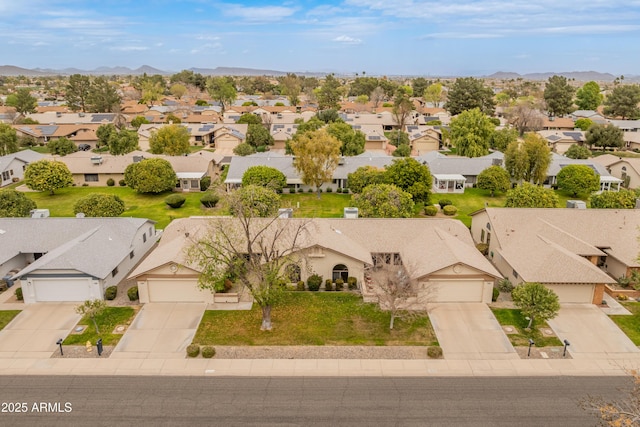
{"type": "Point", "coordinates": [469, 331]}
{"type": "Point", "coordinates": [161, 331]}
{"type": "Point", "coordinates": [33, 333]}
{"type": "Point", "coordinates": [591, 333]}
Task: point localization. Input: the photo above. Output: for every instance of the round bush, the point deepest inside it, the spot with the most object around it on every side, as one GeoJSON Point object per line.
{"type": "Point", "coordinates": [450, 210]}
{"type": "Point", "coordinates": [328, 285]}
{"type": "Point", "coordinates": [209, 200]}
{"type": "Point", "coordinates": [208, 351]}
{"type": "Point", "coordinates": [329, 190]}
{"type": "Point", "coordinates": [193, 350]}
{"type": "Point", "coordinates": [132, 293]}
{"type": "Point", "coordinates": [111, 182]}
{"type": "Point", "coordinates": [352, 283]}
{"type": "Point", "coordinates": [121, 183]}
{"type": "Point", "coordinates": [313, 282]}
{"type": "Point", "coordinates": [434, 352]}
{"type": "Point", "coordinates": [444, 202]}
{"type": "Point", "coordinates": [300, 190]}
{"type": "Point", "coordinates": [431, 210]}
{"type": "Point", "coordinates": [18, 293]}
{"type": "Point", "coordinates": [300, 286]}
{"type": "Point", "coordinates": [175, 200]}
{"type": "Point", "coordinates": [110, 293]}
{"type": "Point", "coordinates": [339, 284]}
{"type": "Point", "coordinates": [205, 183]}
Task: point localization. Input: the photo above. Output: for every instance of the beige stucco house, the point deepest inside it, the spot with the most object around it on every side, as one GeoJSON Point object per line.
{"type": "Point", "coordinates": [575, 252]}
{"type": "Point", "coordinates": [625, 168]}
{"type": "Point", "coordinates": [438, 253]}
{"type": "Point", "coordinates": [423, 139]}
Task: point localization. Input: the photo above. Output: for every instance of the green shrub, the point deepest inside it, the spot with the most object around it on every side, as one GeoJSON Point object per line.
{"type": "Point", "coordinates": [329, 190]}
{"type": "Point", "coordinates": [622, 297]}
{"type": "Point", "coordinates": [310, 190]}
{"type": "Point", "coordinates": [110, 293]}
{"type": "Point", "coordinates": [431, 210]}
{"type": "Point", "coordinates": [339, 284]}
{"type": "Point", "coordinates": [300, 285]}
{"type": "Point", "coordinates": [175, 200]}
{"type": "Point", "coordinates": [132, 293]}
{"type": "Point", "coordinates": [18, 293]}
{"type": "Point", "coordinates": [623, 281]}
{"type": "Point", "coordinates": [504, 285]}
{"type": "Point", "coordinates": [209, 200]}
{"type": "Point", "coordinates": [111, 182]}
{"type": "Point", "coordinates": [496, 294]}
{"type": "Point", "coordinates": [300, 190]}
{"type": "Point", "coordinates": [313, 282]}
{"type": "Point", "coordinates": [352, 283]}
{"type": "Point", "coordinates": [205, 183]}
{"type": "Point", "coordinates": [328, 285]}
{"type": "Point", "coordinates": [193, 350]}
{"type": "Point", "coordinates": [434, 352]}
{"type": "Point", "coordinates": [208, 351]}
{"type": "Point", "coordinates": [339, 190]}
{"type": "Point", "coordinates": [444, 202]}
{"type": "Point", "coordinates": [121, 183]}
{"type": "Point", "coordinates": [450, 210]}
{"type": "Point", "coordinates": [483, 248]}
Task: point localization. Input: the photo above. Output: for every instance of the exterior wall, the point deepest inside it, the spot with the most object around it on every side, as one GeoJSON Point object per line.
{"type": "Point", "coordinates": [227, 141]}
{"type": "Point", "coordinates": [574, 293]}
{"type": "Point", "coordinates": [18, 262]}
{"type": "Point", "coordinates": [79, 179]}
{"type": "Point", "coordinates": [561, 147]}
{"type": "Point", "coordinates": [375, 145]}
{"type": "Point", "coordinates": [164, 272]}
{"type": "Point", "coordinates": [634, 176]}
{"type": "Point", "coordinates": [323, 265]}
{"type": "Point", "coordinates": [598, 294]}
{"type": "Point", "coordinates": [615, 268]}
{"type": "Point", "coordinates": [28, 287]}
{"type": "Point", "coordinates": [15, 171]}
{"type": "Point", "coordinates": [425, 144]}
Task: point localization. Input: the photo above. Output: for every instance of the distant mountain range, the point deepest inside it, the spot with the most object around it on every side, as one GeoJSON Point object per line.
{"type": "Point", "coordinates": [12, 70]}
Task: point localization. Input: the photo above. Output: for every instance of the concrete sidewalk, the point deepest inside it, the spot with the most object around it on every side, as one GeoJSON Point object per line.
{"type": "Point", "coordinates": [319, 367]}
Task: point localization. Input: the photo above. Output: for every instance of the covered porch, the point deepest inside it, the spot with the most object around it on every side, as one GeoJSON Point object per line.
{"type": "Point", "coordinates": [610, 183]}
{"type": "Point", "coordinates": [448, 183]}
{"type": "Point", "coordinates": [189, 181]}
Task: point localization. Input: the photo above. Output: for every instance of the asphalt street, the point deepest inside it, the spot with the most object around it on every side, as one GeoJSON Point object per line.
{"type": "Point", "coordinates": [228, 401]}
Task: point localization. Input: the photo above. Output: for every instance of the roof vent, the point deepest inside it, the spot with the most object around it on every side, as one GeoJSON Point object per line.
{"type": "Point", "coordinates": [137, 159]}
{"type": "Point", "coordinates": [576, 204]}
{"type": "Point", "coordinates": [351, 213]}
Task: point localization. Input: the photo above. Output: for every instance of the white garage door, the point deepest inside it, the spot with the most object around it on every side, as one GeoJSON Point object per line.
{"type": "Point", "coordinates": [454, 291]}
{"type": "Point", "coordinates": [169, 290]}
{"type": "Point", "coordinates": [574, 293]}
{"type": "Point", "coordinates": [68, 289]}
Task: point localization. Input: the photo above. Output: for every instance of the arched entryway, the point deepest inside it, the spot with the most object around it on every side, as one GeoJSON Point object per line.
{"type": "Point", "coordinates": [340, 271]}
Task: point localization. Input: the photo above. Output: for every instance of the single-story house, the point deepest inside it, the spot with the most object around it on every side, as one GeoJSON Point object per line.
{"type": "Point", "coordinates": [592, 115]}
{"type": "Point", "coordinates": [78, 133]}
{"type": "Point", "coordinates": [60, 118]}
{"type": "Point", "coordinates": [557, 123]}
{"type": "Point", "coordinates": [439, 253]}
{"type": "Point", "coordinates": [203, 134]}
{"type": "Point", "coordinates": [71, 259]}
{"type": "Point", "coordinates": [452, 174]}
{"type": "Point", "coordinates": [625, 168]}
{"type": "Point", "coordinates": [281, 133]}
{"type": "Point", "coordinates": [575, 252]}
{"type": "Point", "coordinates": [12, 166]}
{"type": "Point", "coordinates": [374, 138]}
{"type": "Point", "coordinates": [423, 138]}
{"type": "Point", "coordinates": [560, 141]}
{"type": "Point", "coordinates": [607, 182]}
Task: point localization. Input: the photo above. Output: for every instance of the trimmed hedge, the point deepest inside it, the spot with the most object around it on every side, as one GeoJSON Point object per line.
{"type": "Point", "coordinates": [352, 283]}
{"type": "Point", "coordinates": [175, 200]}
{"type": "Point", "coordinates": [18, 293]}
{"type": "Point", "coordinates": [111, 182]}
{"type": "Point", "coordinates": [339, 284]}
{"type": "Point", "coordinates": [444, 202]}
{"type": "Point", "coordinates": [110, 293]}
{"type": "Point", "coordinates": [208, 351]}
{"type": "Point", "coordinates": [209, 200]}
{"type": "Point", "coordinates": [328, 285]}
{"type": "Point", "coordinates": [450, 210]}
{"type": "Point", "coordinates": [300, 286]}
{"type": "Point", "coordinates": [313, 282]}
{"type": "Point", "coordinates": [430, 210]}
{"type": "Point", "coordinates": [193, 350]}
{"type": "Point", "coordinates": [132, 293]}
{"type": "Point", "coordinates": [434, 352]}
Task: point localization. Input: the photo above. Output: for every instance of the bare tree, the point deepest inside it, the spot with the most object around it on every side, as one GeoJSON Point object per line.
{"type": "Point", "coordinates": [254, 251]}
{"type": "Point", "coordinates": [377, 96]}
{"type": "Point", "coordinates": [622, 412]}
{"type": "Point", "coordinates": [525, 116]}
{"type": "Point", "coordinates": [395, 288]}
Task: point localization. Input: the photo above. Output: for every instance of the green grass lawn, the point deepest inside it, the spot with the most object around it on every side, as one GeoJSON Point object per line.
{"type": "Point", "coordinates": [107, 322]}
{"type": "Point", "coordinates": [330, 205]}
{"type": "Point", "coordinates": [314, 318]}
{"type": "Point", "coordinates": [7, 316]}
{"type": "Point", "coordinates": [512, 317]}
{"type": "Point", "coordinates": [630, 325]}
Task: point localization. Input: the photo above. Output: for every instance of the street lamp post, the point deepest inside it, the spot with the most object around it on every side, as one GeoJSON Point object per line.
{"type": "Point", "coordinates": [566, 344]}
{"type": "Point", "coordinates": [530, 344]}
{"type": "Point", "coordinates": [59, 342]}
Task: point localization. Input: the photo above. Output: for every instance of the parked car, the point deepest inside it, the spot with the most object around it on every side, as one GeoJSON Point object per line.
{"type": "Point", "coordinates": [84, 147]}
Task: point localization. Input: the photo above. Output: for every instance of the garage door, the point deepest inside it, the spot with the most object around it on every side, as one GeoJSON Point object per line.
{"type": "Point", "coordinates": [68, 289]}
{"type": "Point", "coordinates": [175, 291]}
{"type": "Point", "coordinates": [574, 293]}
{"type": "Point", "coordinates": [454, 291]}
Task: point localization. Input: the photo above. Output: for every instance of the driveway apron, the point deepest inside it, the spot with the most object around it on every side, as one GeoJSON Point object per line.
{"type": "Point", "coordinates": [591, 333]}
{"type": "Point", "coordinates": [161, 330]}
{"type": "Point", "coordinates": [469, 331]}
{"type": "Point", "coordinates": [34, 332]}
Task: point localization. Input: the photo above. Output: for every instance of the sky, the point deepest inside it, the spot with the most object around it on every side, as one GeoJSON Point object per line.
{"type": "Point", "coordinates": [377, 37]}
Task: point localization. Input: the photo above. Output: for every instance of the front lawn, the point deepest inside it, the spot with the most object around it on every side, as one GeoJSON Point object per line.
{"type": "Point", "coordinates": [471, 200]}
{"type": "Point", "coordinates": [7, 316]}
{"type": "Point", "coordinates": [630, 325]}
{"type": "Point", "coordinates": [314, 318]}
{"type": "Point", "coordinates": [307, 205]}
{"type": "Point", "coordinates": [107, 322]}
{"type": "Point", "coordinates": [513, 317]}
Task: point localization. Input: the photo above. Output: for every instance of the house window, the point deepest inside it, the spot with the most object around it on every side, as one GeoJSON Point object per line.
{"type": "Point", "coordinates": [515, 274]}
{"type": "Point", "coordinates": [488, 226]}
{"type": "Point", "coordinates": [482, 236]}
{"type": "Point", "coordinates": [11, 171]}
{"type": "Point", "coordinates": [91, 177]}
{"type": "Point", "coordinates": [340, 271]}
{"type": "Point", "coordinates": [195, 183]}
{"type": "Point", "coordinates": [114, 272]}
{"type": "Point", "coordinates": [178, 184]}
{"type": "Point", "coordinates": [144, 237]}
{"type": "Point", "coordinates": [5, 176]}
{"type": "Point", "coordinates": [150, 231]}
{"type": "Point", "coordinates": [131, 255]}
{"type": "Point", "coordinates": [316, 251]}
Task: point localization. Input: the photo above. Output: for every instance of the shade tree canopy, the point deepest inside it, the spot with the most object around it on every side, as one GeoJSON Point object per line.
{"type": "Point", "coordinates": [558, 95]}
{"type": "Point", "coordinates": [150, 176]}
{"type": "Point", "coordinates": [623, 102]}
{"type": "Point", "coordinates": [383, 201]}
{"type": "Point", "coordinates": [99, 205]}
{"type": "Point", "coordinates": [494, 178]}
{"type": "Point", "coordinates": [47, 175]}
{"type": "Point", "coordinates": [264, 176]}
{"type": "Point", "coordinates": [528, 160]}
{"type": "Point", "coordinates": [578, 179]}
{"type": "Point", "coordinates": [604, 136]}
{"type": "Point", "coordinates": [15, 204]}
{"type": "Point", "coordinates": [588, 97]}
{"type": "Point", "coordinates": [172, 140]}
{"type": "Point", "coordinates": [536, 301]}
{"type": "Point", "coordinates": [8, 140]}
{"type": "Point", "coordinates": [411, 176]}
{"type": "Point", "coordinates": [468, 93]}
{"type": "Point", "coordinates": [316, 157]}
{"type": "Point", "coordinates": [527, 195]}
{"type": "Point", "coordinates": [470, 132]}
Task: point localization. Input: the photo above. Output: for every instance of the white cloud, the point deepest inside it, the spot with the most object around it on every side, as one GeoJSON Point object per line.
{"type": "Point", "coordinates": [347, 40]}
{"type": "Point", "coordinates": [257, 14]}
{"type": "Point", "coordinates": [129, 48]}
{"type": "Point", "coordinates": [461, 35]}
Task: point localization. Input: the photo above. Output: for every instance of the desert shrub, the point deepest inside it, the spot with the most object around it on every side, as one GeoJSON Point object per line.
{"type": "Point", "coordinates": [496, 294]}
{"type": "Point", "coordinates": [132, 293]}
{"type": "Point", "coordinates": [110, 293]}
{"type": "Point", "coordinates": [623, 281]}
{"type": "Point", "coordinates": [209, 200]}
{"type": "Point", "coordinates": [175, 200]}
{"type": "Point", "coordinates": [205, 183]}
{"type": "Point", "coordinates": [121, 183]}
{"type": "Point", "coordinates": [434, 352]}
{"type": "Point", "coordinates": [208, 351]}
{"type": "Point", "coordinates": [328, 285]}
{"type": "Point", "coordinates": [444, 202]}
{"type": "Point", "coordinates": [505, 285]}
{"type": "Point", "coordinates": [339, 284]}
{"type": "Point", "coordinates": [450, 210]}
{"type": "Point", "coordinates": [431, 210]}
{"type": "Point", "coordinates": [313, 282]}
{"type": "Point", "coordinates": [193, 350]}
{"type": "Point", "coordinates": [111, 182]}
{"type": "Point", "coordinates": [352, 283]}
{"type": "Point", "coordinates": [300, 285]}
{"type": "Point", "coordinates": [18, 293]}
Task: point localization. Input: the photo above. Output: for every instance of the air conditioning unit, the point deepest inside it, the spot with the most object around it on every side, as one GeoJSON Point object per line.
{"type": "Point", "coordinates": [576, 204]}
{"type": "Point", "coordinates": [39, 213]}
{"type": "Point", "coordinates": [137, 159]}
{"type": "Point", "coordinates": [351, 213]}
{"type": "Point", "coordinates": [96, 160]}
{"type": "Point", "coordinates": [285, 213]}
